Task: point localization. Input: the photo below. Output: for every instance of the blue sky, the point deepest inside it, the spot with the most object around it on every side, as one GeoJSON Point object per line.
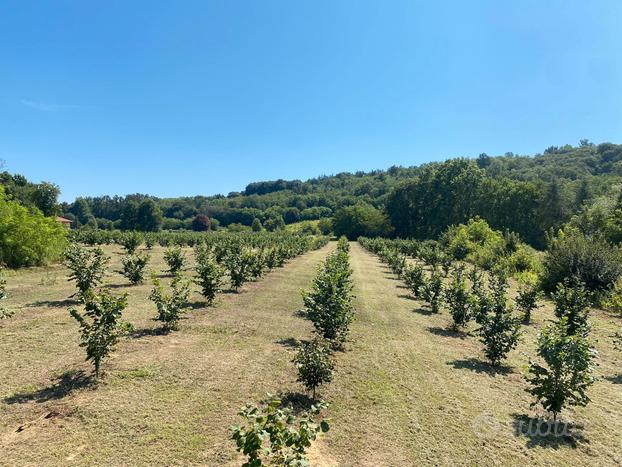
{"type": "Point", "coordinates": [188, 97]}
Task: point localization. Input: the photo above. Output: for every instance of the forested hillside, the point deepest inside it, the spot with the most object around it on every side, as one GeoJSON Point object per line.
{"type": "Point", "coordinates": [525, 194]}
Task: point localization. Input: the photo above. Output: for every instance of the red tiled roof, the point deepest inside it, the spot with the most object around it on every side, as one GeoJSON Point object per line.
{"type": "Point", "coordinates": [63, 220]}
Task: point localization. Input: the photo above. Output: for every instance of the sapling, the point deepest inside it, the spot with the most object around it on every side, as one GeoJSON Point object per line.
{"type": "Point", "coordinates": [433, 290]}
{"type": "Point", "coordinates": [172, 305]}
{"type": "Point", "coordinates": [273, 435]}
{"type": "Point", "coordinates": [572, 301]}
{"type": "Point", "coordinates": [100, 324]}
{"type": "Point", "coordinates": [87, 267]}
{"type": "Point", "coordinates": [459, 300]}
{"type": "Point", "coordinates": [329, 302]}
{"type": "Point", "coordinates": [209, 275]}
{"type": "Point", "coordinates": [134, 267]}
{"type": "Point", "coordinates": [500, 330]}
{"type": "Point", "coordinates": [131, 241]}
{"type": "Point", "coordinates": [568, 368]}
{"type": "Point", "coordinates": [414, 279]}
{"type": "Point", "coordinates": [175, 259]}
{"type": "Point", "coordinates": [527, 301]}
{"type": "Point", "coordinates": [315, 364]}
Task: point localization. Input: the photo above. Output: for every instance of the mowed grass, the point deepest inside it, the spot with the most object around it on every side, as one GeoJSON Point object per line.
{"type": "Point", "coordinates": [406, 391]}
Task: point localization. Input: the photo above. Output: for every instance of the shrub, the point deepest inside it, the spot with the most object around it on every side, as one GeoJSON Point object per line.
{"type": "Point", "coordinates": [527, 301]}
{"type": "Point", "coordinates": [276, 436]}
{"type": "Point", "coordinates": [613, 300]}
{"type": "Point", "coordinates": [100, 325]}
{"type": "Point", "coordinates": [175, 259]}
{"type": "Point", "coordinates": [459, 301]}
{"type": "Point", "coordinates": [567, 373]}
{"type": "Point", "coordinates": [27, 237]}
{"type": "Point", "coordinates": [325, 226]}
{"type": "Point", "coordinates": [208, 274]}
{"type": "Point", "coordinates": [314, 363]}
{"type": "Point", "coordinates": [134, 267]}
{"type": "Point", "coordinates": [4, 312]}
{"type": "Point", "coordinates": [171, 306]}
{"type": "Point", "coordinates": [432, 291]}
{"type": "Point", "coordinates": [87, 267]}
{"type": "Point", "coordinates": [499, 331]}
{"type": "Point", "coordinates": [131, 241]}
{"type": "Point", "coordinates": [590, 259]}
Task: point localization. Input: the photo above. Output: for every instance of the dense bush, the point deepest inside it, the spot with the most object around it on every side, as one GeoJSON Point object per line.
{"type": "Point", "coordinates": [315, 364]}
{"type": "Point", "coordinates": [273, 435]}
{"type": "Point", "coordinates": [590, 259]}
{"type": "Point", "coordinates": [201, 223]}
{"type": "Point", "coordinates": [100, 324]}
{"type": "Point", "coordinates": [27, 237]}
{"type": "Point", "coordinates": [87, 267]}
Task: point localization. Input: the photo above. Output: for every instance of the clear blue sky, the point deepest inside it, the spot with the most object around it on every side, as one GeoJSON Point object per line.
{"type": "Point", "coordinates": [201, 97]}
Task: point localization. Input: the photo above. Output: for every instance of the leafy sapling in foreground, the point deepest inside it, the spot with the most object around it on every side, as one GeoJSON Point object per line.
{"type": "Point", "coordinates": [175, 259]}
{"type": "Point", "coordinates": [87, 266]}
{"type": "Point", "coordinates": [134, 267]}
{"type": "Point", "coordinates": [172, 305]}
{"type": "Point", "coordinates": [500, 330]}
{"type": "Point", "coordinates": [315, 364]}
{"type": "Point", "coordinates": [567, 370]}
{"type": "Point", "coordinates": [273, 435]}
{"type": "Point", "coordinates": [100, 325]}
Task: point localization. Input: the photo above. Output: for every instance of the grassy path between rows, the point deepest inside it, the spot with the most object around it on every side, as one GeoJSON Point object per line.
{"type": "Point", "coordinates": [409, 392]}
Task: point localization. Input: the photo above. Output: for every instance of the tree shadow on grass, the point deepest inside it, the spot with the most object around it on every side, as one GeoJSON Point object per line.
{"type": "Point", "coordinates": [64, 385]}
{"type": "Point", "coordinates": [147, 332]}
{"type": "Point", "coordinates": [424, 311]}
{"type": "Point", "coordinates": [617, 379]}
{"type": "Point", "coordinates": [447, 332]}
{"type": "Point", "coordinates": [407, 297]}
{"type": "Point", "coordinates": [298, 401]}
{"type": "Point", "coordinates": [290, 343]}
{"type": "Point", "coordinates": [541, 432]}
{"type": "Point", "coordinates": [198, 305]}
{"type": "Point", "coordinates": [120, 286]}
{"type": "Point", "coordinates": [54, 303]}
{"type": "Point", "coordinates": [479, 366]}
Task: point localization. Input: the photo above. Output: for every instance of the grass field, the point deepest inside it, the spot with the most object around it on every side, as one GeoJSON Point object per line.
{"type": "Point", "coordinates": [406, 391]}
